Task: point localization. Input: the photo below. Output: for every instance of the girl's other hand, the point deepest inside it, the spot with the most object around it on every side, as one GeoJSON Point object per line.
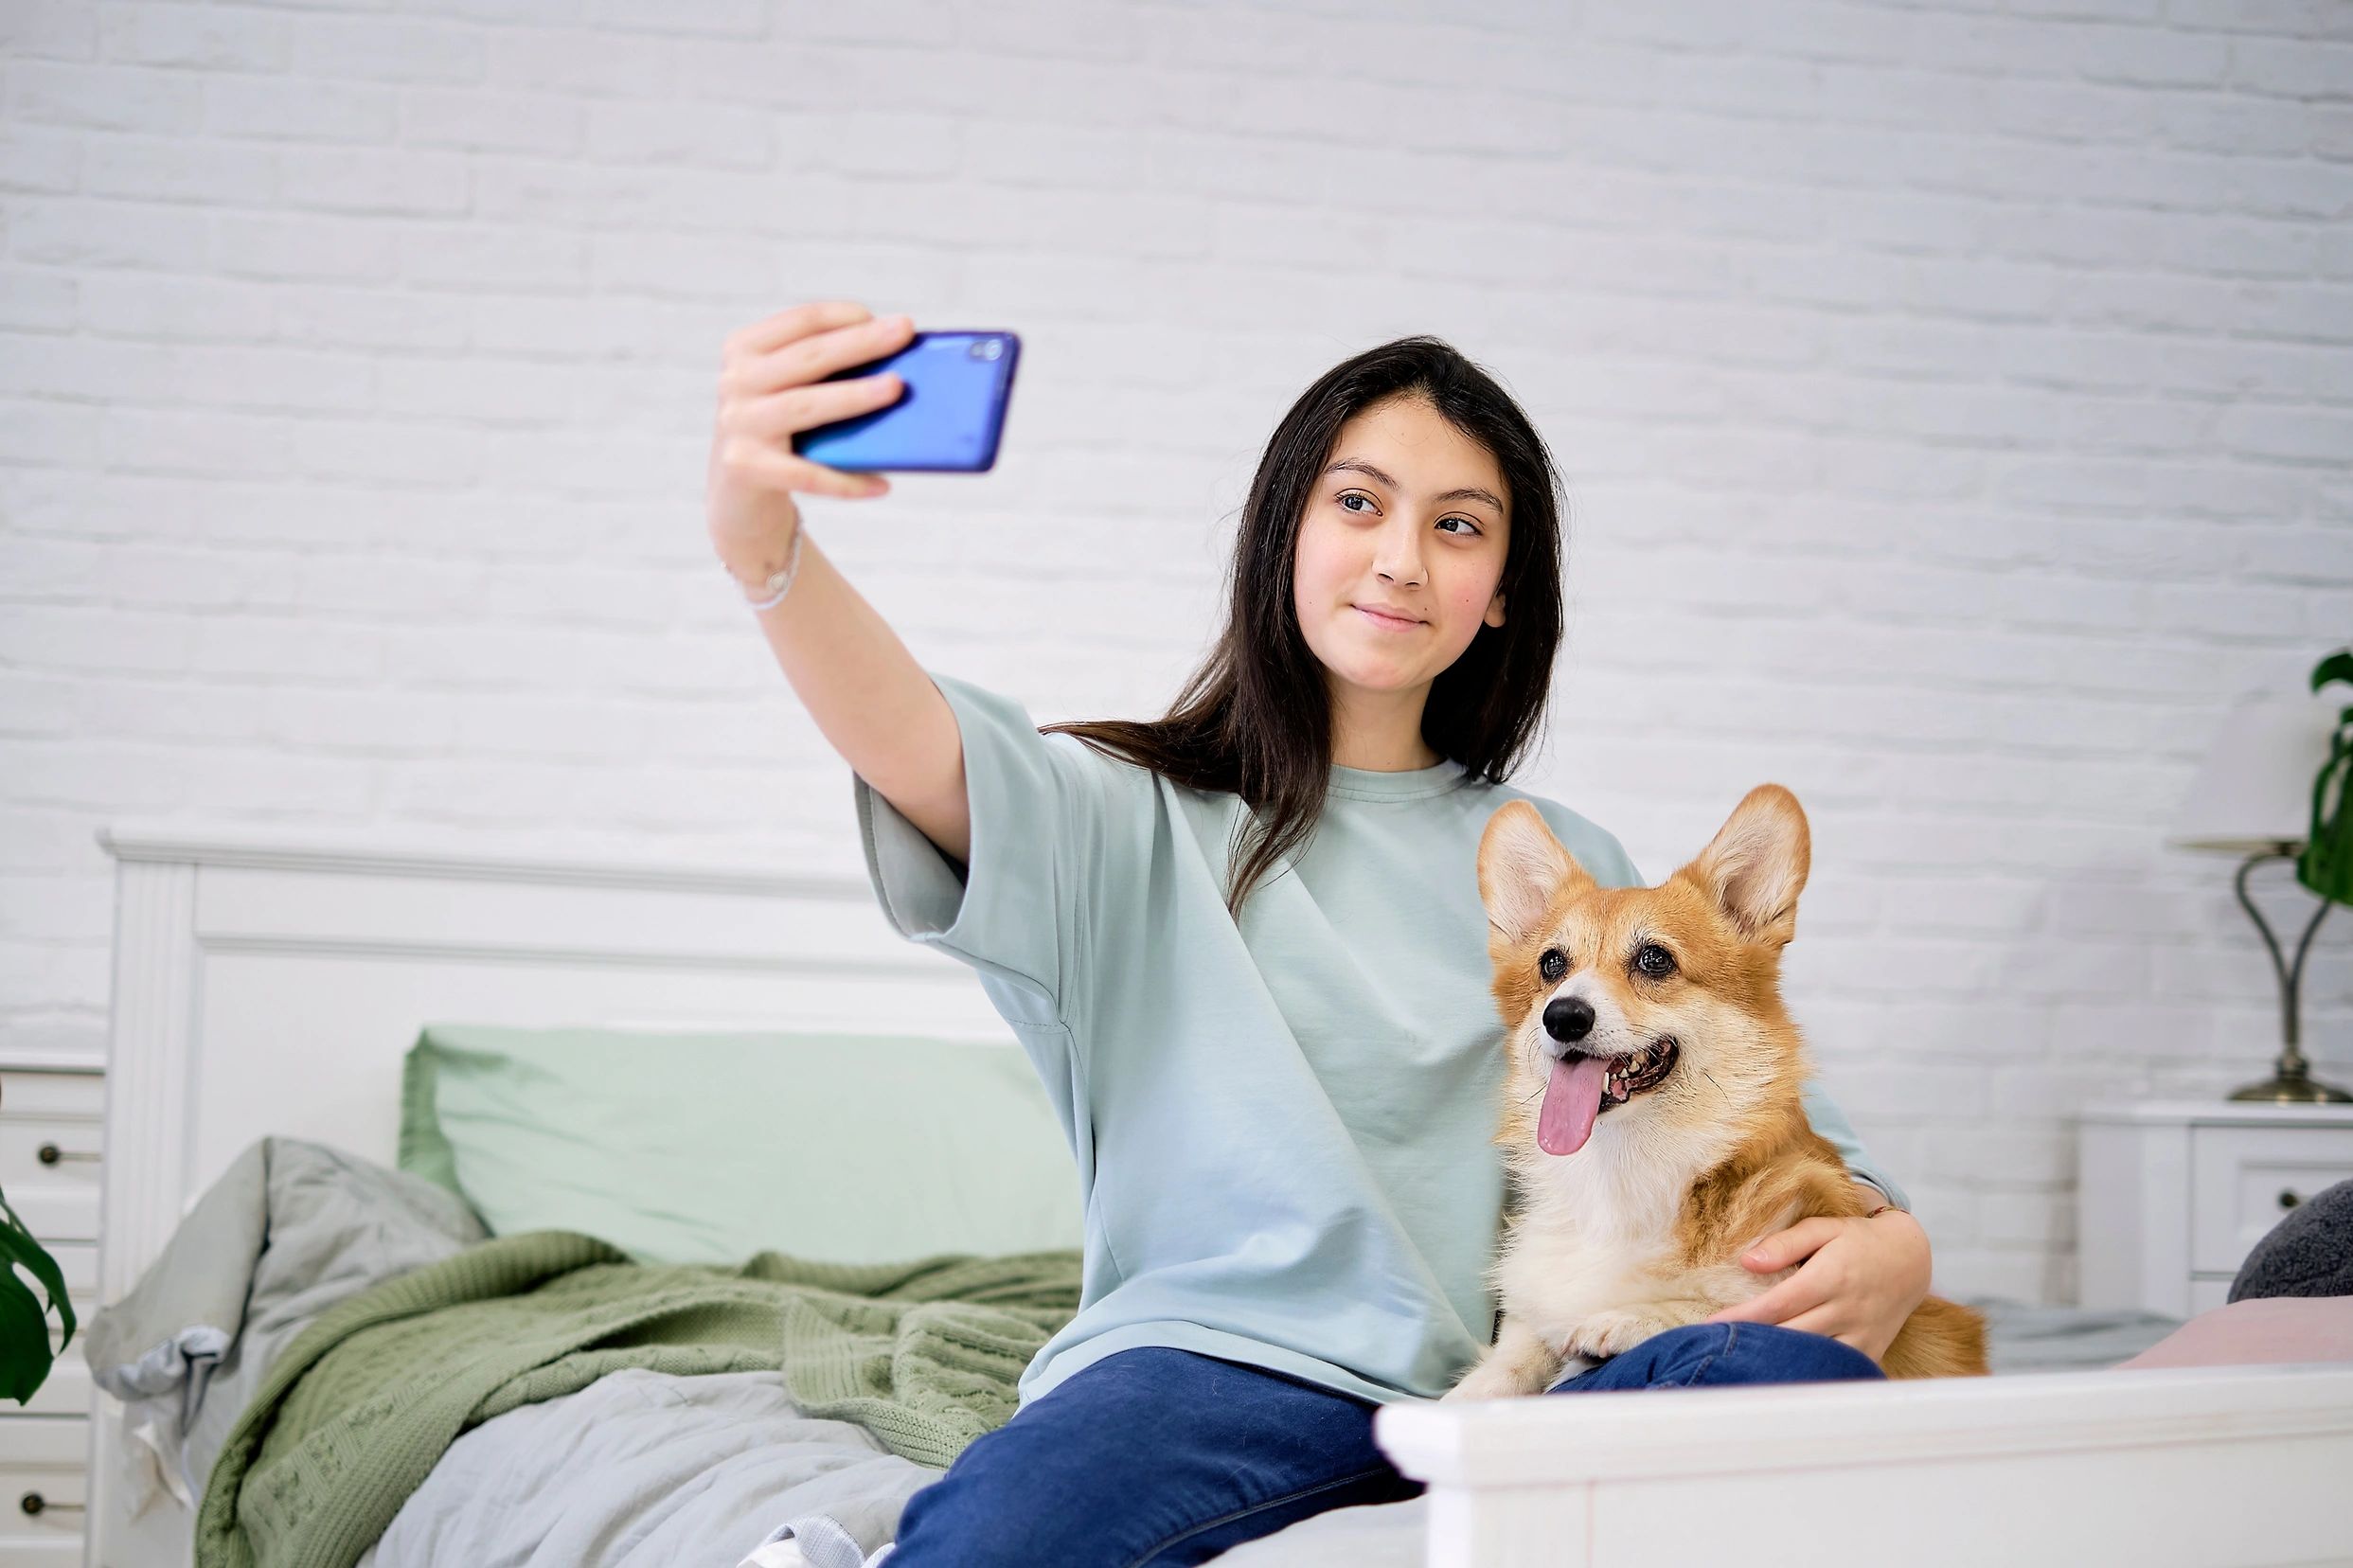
{"type": "Point", "coordinates": [768, 388]}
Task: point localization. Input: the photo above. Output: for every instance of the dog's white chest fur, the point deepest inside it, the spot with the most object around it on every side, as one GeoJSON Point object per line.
{"type": "Point", "coordinates": [1578, 1247]}
{"type": "Point", "coordinates": [1599, 1236]}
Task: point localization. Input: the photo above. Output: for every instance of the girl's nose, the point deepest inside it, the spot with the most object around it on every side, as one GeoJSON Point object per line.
{"type": "Point", "coordinates": [1400, 558]}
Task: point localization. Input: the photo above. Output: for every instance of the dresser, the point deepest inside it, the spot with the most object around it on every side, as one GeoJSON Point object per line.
{"type": "Point", "coordinates": [51, 1117]}
{"type": "Point", "coordinates": [2171, 1195]}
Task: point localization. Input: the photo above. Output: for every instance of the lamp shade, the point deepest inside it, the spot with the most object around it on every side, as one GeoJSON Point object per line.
{"type": "Point", "coordinates": [2254, 788]}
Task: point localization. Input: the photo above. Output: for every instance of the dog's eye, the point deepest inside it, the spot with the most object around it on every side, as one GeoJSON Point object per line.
{"type": "Point", "coordinates": [1654, 960]}
{"type": "Point", "coordinates": [1553, 965]}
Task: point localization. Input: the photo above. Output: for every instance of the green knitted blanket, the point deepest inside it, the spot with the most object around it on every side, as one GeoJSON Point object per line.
{"type": "Point", "coordinates": [358, 1407]}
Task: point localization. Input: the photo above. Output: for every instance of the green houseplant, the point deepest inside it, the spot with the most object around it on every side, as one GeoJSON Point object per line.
{"type": "Point", "coordinates": [2326, 864]}
{"type": "Point", "coordinates": [25, 1354]}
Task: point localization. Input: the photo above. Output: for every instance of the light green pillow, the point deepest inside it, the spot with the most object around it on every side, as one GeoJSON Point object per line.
{"type": "Point", "coordinates": [707, 1148]}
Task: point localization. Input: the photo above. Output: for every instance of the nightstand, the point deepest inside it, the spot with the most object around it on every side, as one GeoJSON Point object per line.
{"type": "Point", "coordinates": [2171, 1195]}
{"type": "Point", "coordinates": [51, 1120]}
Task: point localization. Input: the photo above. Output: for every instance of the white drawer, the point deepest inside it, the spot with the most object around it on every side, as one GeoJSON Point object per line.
{"type": "Point", "coordinates": [2207, 1291]}
{"type": "Point", "coordinates": [50, 1169]}
{"type": "Point", "coordinates": [44, 1459]}
{"type": "Point", "coordinates": [2243, 1180]}
{"type": "Point", "coordinates": [76, 1095]}
{"type": "Point", "coordinates": [52, 1442]}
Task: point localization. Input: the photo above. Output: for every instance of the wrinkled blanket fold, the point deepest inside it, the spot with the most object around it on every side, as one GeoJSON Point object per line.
{"type": "Point", "coordinates": [360, 1405]}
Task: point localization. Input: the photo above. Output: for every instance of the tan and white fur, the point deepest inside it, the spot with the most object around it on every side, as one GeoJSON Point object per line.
{"type": "Point", "coordinates": [1640, 1229]}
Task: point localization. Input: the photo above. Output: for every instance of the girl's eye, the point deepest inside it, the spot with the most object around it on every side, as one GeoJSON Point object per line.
{"type": "Point", "coordinates": [1553, 965]}
{"type": "Point", "coordinates": [1654, 960]}
{"type": "Point", "coordinates": [1347, 496]}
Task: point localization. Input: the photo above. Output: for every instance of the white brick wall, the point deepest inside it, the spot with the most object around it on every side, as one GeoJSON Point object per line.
{"type": "Point", "coordinates": [1957, 400]}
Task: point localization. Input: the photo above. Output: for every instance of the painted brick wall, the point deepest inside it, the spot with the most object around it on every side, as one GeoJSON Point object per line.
{"type": "Point", "coordinates": [1955, 400]}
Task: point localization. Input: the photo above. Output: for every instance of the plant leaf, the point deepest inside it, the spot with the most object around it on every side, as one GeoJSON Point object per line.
{"type": "Point", "coordinates": [25, 1357]}
{"type": "Point", "coordinates": [2326, 866]}
{"type": "Point", "coordinates": [18, 1246]}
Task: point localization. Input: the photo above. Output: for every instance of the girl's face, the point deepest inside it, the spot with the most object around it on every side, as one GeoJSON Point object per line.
{"type": "Point", "coordinates": [1410, 515]}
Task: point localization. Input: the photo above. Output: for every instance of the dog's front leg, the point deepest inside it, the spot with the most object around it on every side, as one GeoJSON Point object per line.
{"type": "Point", "coordinates": [1620, 1328]}
{"type": "Point", "coordinates": [1519, 1362]}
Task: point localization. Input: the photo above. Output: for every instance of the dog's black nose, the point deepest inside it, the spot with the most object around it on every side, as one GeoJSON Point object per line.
{"type": "Point", "coordinates": [1568, 1018]}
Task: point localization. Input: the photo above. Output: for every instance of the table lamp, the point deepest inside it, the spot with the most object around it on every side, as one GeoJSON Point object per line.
{"type": "Point", "coordinates": [2252, 797]}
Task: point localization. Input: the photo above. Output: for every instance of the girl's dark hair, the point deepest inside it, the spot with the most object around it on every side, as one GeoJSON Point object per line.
{"type": "Point", "coordinates": [1256, 718]}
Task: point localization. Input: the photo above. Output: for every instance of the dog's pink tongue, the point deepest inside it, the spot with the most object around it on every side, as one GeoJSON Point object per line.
{"type": "Point", "coordinates": [1572, 1100]}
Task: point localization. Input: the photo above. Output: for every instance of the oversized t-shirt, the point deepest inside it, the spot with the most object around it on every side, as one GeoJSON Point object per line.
{"type": "Point", "coordinates": [1283, 1125]}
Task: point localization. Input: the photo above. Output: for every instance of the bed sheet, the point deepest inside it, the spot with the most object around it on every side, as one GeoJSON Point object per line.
{"type": "Point", "coordinates": [647, 1470]}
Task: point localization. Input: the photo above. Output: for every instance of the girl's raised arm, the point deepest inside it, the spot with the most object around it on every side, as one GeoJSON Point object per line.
{"type": "Point", "coordinates": [872, 701]}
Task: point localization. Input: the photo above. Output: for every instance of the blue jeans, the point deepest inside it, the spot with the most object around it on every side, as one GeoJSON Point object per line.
{"type": "Point", "coordinates": [1161, 1456]}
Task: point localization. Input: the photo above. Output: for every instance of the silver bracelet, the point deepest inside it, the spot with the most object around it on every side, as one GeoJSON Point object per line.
{"type": "Point", "coordinates": [781, 583]}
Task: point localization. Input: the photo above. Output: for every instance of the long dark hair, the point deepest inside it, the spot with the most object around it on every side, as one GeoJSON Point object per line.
{"type": "Point", "coordinates": [1256, 718]}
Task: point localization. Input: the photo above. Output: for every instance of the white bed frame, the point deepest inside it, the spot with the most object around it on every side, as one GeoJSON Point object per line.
{"type": "Point", "coordinates": [269, 982]}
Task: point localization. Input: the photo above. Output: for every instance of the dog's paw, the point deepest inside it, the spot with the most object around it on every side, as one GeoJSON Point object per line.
{"type": "Point", "coordinates": [1610, 1333]}
{"type": "Point", "coordinates": [1492, 1379]}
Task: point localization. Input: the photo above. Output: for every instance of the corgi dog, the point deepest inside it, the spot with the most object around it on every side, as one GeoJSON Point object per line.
{"type": "Point", "coordinates": [1651, 1119]}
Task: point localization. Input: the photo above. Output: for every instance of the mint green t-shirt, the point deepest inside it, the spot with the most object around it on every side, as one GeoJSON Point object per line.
{"type": "Point", "coordinates": [1282, 1127]}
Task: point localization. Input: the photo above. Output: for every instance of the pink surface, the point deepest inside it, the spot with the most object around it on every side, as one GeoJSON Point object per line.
{"type": "Point", "coordinates": [2245, 1333]}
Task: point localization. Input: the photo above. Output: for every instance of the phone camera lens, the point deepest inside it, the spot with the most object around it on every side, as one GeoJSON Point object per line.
{"type": "Point", "coordinates": [988, 349]}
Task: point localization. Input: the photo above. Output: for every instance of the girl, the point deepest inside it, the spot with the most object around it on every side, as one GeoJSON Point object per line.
{"type": "Point", "coordinates": [1244, 948]}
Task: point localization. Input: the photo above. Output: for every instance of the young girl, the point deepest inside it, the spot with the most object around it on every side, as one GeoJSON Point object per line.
{"type": "Point", "coordinates": [1243, 946]}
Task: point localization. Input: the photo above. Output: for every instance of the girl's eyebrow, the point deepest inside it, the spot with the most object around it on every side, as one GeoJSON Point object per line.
{"type": "Point", "coordinates": [1468, 492]}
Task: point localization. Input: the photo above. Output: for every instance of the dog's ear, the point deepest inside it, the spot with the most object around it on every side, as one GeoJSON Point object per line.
{"type": "Point", "coordinates": [1756, 865]}
{"type": "Point", "coordinates": [1520, 867]}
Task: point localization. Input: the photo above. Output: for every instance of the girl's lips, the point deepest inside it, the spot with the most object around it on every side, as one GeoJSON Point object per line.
{"type": "Point", "coordinates": [1387, 622]}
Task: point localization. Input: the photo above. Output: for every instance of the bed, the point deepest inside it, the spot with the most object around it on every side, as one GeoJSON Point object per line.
{"type": "Point", "coordinates": [243, 956]}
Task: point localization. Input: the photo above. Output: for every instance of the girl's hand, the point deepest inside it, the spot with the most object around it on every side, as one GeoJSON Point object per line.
{"type": "Point", "coordinates": [1860, 1280]}
{"type": "Point", "coordinates": [769, 389]}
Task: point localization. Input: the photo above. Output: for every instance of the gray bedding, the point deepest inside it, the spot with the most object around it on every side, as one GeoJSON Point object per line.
{"type": "Point", "coordinates": [290, 1229]}
{"type": "Point", "coordinates": [639, 1469]}
{"type": "Point", "coordinates": [647, 1470]}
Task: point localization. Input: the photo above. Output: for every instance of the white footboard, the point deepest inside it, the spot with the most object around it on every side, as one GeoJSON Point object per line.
{"type": "Point", "coordinates": [2196, 1467]}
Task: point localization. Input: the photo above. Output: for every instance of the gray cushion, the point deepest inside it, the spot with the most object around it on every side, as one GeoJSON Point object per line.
{"type": "Point", "coordinates": [2307, 1254]}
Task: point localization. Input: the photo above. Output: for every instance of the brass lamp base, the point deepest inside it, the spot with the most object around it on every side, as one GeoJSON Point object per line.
{"type": "Point", "coordinates": [2293, 1089]}
{"type": "Point", "coordinates": [2292, 1081]}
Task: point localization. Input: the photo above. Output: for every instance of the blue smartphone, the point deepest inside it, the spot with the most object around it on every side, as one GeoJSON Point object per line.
{"type": "Point", "coordinates": [948, 419]}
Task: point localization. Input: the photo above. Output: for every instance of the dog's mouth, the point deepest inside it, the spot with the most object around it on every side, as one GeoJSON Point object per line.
{"type": "Point", "coordinates": [1643, 1071]}
{"type": "Point", "coordinates": [1583, 1085]}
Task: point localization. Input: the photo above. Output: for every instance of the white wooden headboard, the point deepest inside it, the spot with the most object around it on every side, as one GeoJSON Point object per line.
{"type": "Point", "coordinates": [269, 982]}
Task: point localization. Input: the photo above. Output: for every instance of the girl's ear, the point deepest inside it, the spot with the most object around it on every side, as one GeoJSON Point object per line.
{"type": "Point", "coordinates": [1494, 616]}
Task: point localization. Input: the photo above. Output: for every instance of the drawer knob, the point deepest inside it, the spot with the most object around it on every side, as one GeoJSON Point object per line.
{"type": "Point", "coordinates": [51, 1154]}
{"type": "Point", "coordinates": [2288, 1198]}
{"type": "Point", "coordinates": [35, 1504]}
